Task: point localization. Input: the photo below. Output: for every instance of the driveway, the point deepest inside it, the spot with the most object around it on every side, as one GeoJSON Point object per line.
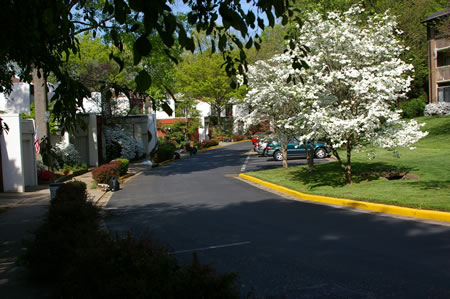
{"type": "Point", "coordinates": [280, 248]}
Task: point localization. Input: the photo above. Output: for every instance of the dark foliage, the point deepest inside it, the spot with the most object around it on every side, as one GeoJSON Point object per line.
{"type": "Point", "coordinates": [104, 173]}
{"type": "Point", "coordinates": [239, 137]}
{"type": "Point", "coordinates": [77, 260]}
{"type": "Point", "coordinates": [164, 152]}
{"type": "Point", "coordinates": [413, 108]}
{"type": "Point", "coordinates": [209, 143]}
{"type": "Point", "coordinates": [113, 150]}
{"type": "Point", "coordinates": [124, 165]}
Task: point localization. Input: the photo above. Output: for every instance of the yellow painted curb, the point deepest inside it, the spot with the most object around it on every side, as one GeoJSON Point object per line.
{"type": "Point", "coordinates": [208, 148]}
{"type": "Point", "coordinates": [409, 212]}
{"type": "Point", "coordinates": [240, 141]}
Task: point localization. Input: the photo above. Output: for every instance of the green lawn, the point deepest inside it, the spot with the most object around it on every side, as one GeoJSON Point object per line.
{"type": "Point", "coordinates": [430, 161]}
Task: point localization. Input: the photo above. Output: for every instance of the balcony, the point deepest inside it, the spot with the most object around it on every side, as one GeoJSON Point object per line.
{"type": "Point", "coordinates": [443, 73]}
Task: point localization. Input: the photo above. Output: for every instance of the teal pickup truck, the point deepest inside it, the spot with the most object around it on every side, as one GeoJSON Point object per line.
{"type": "Point", "coordinates": [297, 149]}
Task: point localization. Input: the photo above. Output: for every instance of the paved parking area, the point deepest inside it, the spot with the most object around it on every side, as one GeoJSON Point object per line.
{"type": "Point", "coordinates": [255, 162]}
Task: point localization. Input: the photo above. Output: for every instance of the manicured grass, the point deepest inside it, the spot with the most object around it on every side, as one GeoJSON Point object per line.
{"type": "Point", "coordinates": [430, 161]}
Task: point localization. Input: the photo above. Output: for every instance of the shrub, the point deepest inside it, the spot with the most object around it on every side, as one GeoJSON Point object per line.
{"type": "Point", "coordinates": [239, 137]}
{"type": "Point", "coordinates": [104, 173]}
{"type": "Point", "coordinates": [78, 260]}
{"type": "Point", "coordinates": [121, 144]}
{"type": "Point", "coordinates": [71, 223]}
{"type": "Point", "coordinates": [209, 143]}
{"type": "Point", "coordinates": [79, 184]}
{"type": "Point", "coordinates": [123, 166]}
{"type": "Point", "coordinates": [67, 154]}
{"type": "Point", "coordinates": [413, 108]}
{"type": "Point", "coordinates": [442, 108]}
{"type": "Point", "coordinates": [164, 152]}
{"type": "Point", "coordinates": [45, 175]}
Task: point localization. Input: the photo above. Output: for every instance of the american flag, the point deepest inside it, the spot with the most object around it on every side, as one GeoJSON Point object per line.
{"type": "Point", "coordinates": [37, 147]}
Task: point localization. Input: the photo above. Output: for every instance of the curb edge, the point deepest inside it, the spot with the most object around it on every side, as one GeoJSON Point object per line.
{"type": "Point", "coordinates": [376, 207]}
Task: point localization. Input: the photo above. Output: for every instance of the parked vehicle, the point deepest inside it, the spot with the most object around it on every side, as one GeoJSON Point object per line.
{"type": "Point", "coordinates": [256, 138]}
{"type": "Point", "coordinates": [296, 148]}
{"type": "Point", "coordinates": [261, 147]}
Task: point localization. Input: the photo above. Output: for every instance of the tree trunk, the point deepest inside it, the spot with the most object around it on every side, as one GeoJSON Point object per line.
{"type": "Point", "coordinates": [309, 155]}
{"type": "Point", "coordinates": [284, 151]}
{"type": "Point", "coordinates": [41, 106]}
{"type": "Point", "coordinates": [348, 165]}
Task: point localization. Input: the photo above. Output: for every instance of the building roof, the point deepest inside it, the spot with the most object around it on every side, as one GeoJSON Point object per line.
{"type": "Point", "coordinates": [438, 15]}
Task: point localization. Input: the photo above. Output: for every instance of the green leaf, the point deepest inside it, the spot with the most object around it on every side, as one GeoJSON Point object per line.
{"type": "Point", "coordinates": [143, 45]}
{"type": "Point", "coordinates": [222, 42]}
{"type": "Point", "coordinates": [249, 44]}
{"type": "Point", "coordinates": [119, 61]}
{"type": "Point", "coordinates": [242, 54]}
{"type": "Point", "coordinates": [305, 65]}
{"type": "Point", "coordinates": [192, 19]}
{"type": "Point", "coordinates": [261, 23]}
{"type": "Point", "coordinates": [143, 81]}
{"type": "Point", "coordinates": [167, 38]}
{"type": "Point", "coordinates": [134, 28]}
{"type": "Point", "coordinates": [136, 55]}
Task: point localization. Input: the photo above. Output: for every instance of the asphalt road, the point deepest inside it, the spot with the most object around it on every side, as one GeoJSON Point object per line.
{"type": "Point", "coordinates": [280, 248]}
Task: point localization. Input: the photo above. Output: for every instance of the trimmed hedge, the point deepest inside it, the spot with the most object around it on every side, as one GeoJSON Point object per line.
{"type": "Point", "coordinates": [209, 143]}
{"type": "Point", "coordinates": [72, 256]}
{"type": "Point", "coordinates": [164, 152]}
{"type": "Point", "coordinates": [71, 223]}
{"type": "Point", "coordinates": [104, 173]}
{"type": "Point", "coordinates": [239, 137]}
{"type": "Point", "coordinates": [124, 166]}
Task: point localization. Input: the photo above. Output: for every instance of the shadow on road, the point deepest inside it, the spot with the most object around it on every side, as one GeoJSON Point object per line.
{"type": "Point", "coordinates": [294, 246]}
{"type": "Point", "coordinates": [204, 161]}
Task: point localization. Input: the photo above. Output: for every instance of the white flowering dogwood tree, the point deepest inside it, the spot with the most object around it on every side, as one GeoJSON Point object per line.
{"type": "Point", "coordinates": [272, 99]}
{"type": "Point", "coordinates": [356, 75]}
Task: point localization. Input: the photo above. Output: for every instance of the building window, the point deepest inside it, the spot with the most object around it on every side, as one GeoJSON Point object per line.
{"type": "Point", "coordinates": [229, 110]}
{"type": "Point", "coordinates": [443, 58]}
{"type": "Point", "coordinates": [444, 92]}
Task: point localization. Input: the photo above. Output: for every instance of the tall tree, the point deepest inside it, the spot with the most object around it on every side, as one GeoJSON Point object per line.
{"type": "Point", "coordinates": [43, 31]}
{"type": "Point", "coordinates": [202, 77]}
{"type": "Point", "coordinates": [409, 15]}
{"type": "Point", "coordinates": [357, 74]}
{"type": "Point", "coordinates": [273, 99]}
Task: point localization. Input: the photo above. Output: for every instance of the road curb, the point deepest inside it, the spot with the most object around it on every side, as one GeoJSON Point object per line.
{"type": "Point", "coordinates": [376, 207]}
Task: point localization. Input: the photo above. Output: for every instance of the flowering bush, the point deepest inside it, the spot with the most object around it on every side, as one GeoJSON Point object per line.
{"type": "Point", "coordinates": [67, 154]}
{"type": "Point", "coordinates": [442, 108]}
{"type": "Point", "coordinates": [121, 144]}
{"type": "Point", "coordinates": [45, 175]}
